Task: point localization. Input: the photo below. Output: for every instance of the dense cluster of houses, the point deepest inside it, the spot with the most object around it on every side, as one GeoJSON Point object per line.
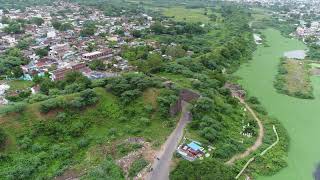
{"type": "Point", "coordinates": [67, 49]}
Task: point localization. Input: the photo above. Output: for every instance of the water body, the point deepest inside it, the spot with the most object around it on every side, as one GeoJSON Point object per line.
{"type": "Point", "coordinates": [296, 54]}
{"type": "Point", "coordinates": [300, 117]}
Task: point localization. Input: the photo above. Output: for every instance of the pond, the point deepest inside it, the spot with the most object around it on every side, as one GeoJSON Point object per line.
{"type": "Point", "coordinates": [296, 54]}
{"type": "Point", "coordinates": [300, 117]}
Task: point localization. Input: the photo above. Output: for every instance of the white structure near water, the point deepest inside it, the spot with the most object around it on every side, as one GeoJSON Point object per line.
{"type": "Point", "coordinates": [257, 39]}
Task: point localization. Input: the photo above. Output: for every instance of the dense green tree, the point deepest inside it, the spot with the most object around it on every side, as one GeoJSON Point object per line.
{"type": "Point", "coordinates": [42, 52]}
{"type": "Point", "coordinates": [97, 65]}
{"type": "Point", "coordinates": [37, 20]}
{"type": "Point", "coordinates": [3, 138]}
{"type": "Point", "coordinates": [207, 169]}
{"type": "Point", "coordinates": [14, 27]}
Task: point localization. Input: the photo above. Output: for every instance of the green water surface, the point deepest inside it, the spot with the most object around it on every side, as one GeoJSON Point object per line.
{"type": "Point", "coordinates": [300, 117]}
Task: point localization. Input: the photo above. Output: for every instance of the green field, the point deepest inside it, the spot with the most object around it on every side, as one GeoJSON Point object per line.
{"type": "Point", "coordinates": [188, 15]}
{"type": "Point", "coordinates": [19, 85]}
{"type": "Point", "coordinates": [300, 117]}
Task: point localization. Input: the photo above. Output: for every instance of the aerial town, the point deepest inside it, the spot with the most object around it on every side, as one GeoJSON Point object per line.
{"type": "Point", "coordinates": [69, 47]}
{"type": "Point", "coordinates": [159, 89]}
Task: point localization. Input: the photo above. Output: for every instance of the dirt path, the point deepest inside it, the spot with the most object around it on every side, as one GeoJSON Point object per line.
{"type": "Point", "coordinates": [257, 143]}
{"type": "Point", "coordinates": [161, 166]}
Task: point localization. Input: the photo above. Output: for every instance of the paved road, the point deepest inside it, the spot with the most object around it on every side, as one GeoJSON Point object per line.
{"type": "Point", "coordinates": [161, 167]}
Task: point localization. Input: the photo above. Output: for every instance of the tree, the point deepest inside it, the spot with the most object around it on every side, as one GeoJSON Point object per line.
{"type": "Point", "coordinates": [91, 46]}
{"type": "Point", "coordinates": [77, 77]}
{"type": "Point", "coordinates": [157, 28]}
{"type": "Point", "coordinates": [3, 138]}
{"type": "Point", "coordinates": [88, 97]}
{"type": "Point", "coordinates": [42, 52]}
{"type": "Point", "coordinates": [97, 65]}
{"type": "Point", "coordinates": [23, 44]}
{"type": "Point", "coordinates": [56, 25]}
{"type": "Point", "coordinates": [45, 85]}
{"type": "Point", "coordinates": [65, 26]}
{"type": "Point", "coordinates": [207, 169]}
{"type": "Point", "coordinates": [136, 33]}
{"type": "Point", "coordinates": [203, 105]}
{"type": "Point", "coordinates": [175, 51]}
{"type": "Point", "coordinates": [14, 28]}
{"type": "Point", "coordinates": [37, 20]}
{"type": "Point", "coordinates": [89, 28]}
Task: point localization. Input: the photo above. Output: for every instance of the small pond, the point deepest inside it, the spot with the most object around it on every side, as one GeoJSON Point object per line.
{"type": "Point", "coordinates": [296, 54]}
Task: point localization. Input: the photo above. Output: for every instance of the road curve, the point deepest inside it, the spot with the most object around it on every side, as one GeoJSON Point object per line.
{"type": "Point", "coordinates": [161, 167]}
{"type": "Point", "coordinates": [258, 141]}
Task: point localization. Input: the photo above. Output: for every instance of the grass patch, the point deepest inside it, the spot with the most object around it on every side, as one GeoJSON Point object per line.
{"type": "Point", "coordinates": [187, 15]}
{"type": "Point", "coordinates": [19, 85]}
{"type": "Point", "coordinates": [293, 79]}
{"type": "Point", "coordinates": [179, 80]}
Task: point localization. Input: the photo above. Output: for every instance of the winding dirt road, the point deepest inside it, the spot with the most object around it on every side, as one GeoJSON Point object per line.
{"type": "Point", "coordinates": [257, 143]}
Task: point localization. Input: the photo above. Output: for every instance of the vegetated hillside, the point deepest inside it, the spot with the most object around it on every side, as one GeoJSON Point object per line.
{"type": "Point", "coordinates": [83, 130]}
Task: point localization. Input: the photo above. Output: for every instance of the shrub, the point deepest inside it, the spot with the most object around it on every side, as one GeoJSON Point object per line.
{"type": "Point", "coordinates": [37, 98]}
{"type": "Point", "coordinates": [3, 137]}
{"type": "Point", "coordinates": [106, 170]}
{"type": "Point", "coordinates": [83, 142]}
{"type": "Point", "coordinates": [14, 108]}
{"type": "Point", "coordinates": [50, 104]}
{"type": "Point", "coordinates": [144, 121]}
{"type": "Point", "coordinates": [137, 166]}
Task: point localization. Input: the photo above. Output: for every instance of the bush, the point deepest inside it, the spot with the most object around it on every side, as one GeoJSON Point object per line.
{"type": "Point", "coordinates": [144, 121]}
{"type": "Point", "coordinates": [137, 166]}
{"type": "Point", "coordinates": [206, 169]}
{"type": "Point", "coordinates": [83, 142]}
{"type": "Point", "coordinates": [14, 108]}
{"type": "Point", "coordinates": [37, 98]}
{"type": "Point", "coordinates": [50, 104]}
{"type": "Point", "coordinates": [3, 137]}
{"type": "Point", "coordinates": [106, 170]}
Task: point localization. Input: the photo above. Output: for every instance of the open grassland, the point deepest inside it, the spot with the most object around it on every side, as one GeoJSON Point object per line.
{"type": "Point", "coordinates": [188, 15]}
{"type": "Point", "coordinates": [297, 78]}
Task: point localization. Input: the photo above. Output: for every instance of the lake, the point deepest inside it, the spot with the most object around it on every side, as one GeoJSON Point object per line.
{"type": "Point", "coordinates": [300, 117]}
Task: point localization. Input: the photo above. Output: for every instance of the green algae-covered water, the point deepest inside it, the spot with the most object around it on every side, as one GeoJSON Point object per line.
{"type": "Point", "coordinates": [300, 117]}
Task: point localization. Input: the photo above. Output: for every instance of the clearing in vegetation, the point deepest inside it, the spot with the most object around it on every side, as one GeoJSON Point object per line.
{"type": "Point", "coordinates": [188, 15]}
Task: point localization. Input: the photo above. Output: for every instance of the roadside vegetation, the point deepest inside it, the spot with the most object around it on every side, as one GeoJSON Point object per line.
{"type": "Point", "coordinates": [293, 79]}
